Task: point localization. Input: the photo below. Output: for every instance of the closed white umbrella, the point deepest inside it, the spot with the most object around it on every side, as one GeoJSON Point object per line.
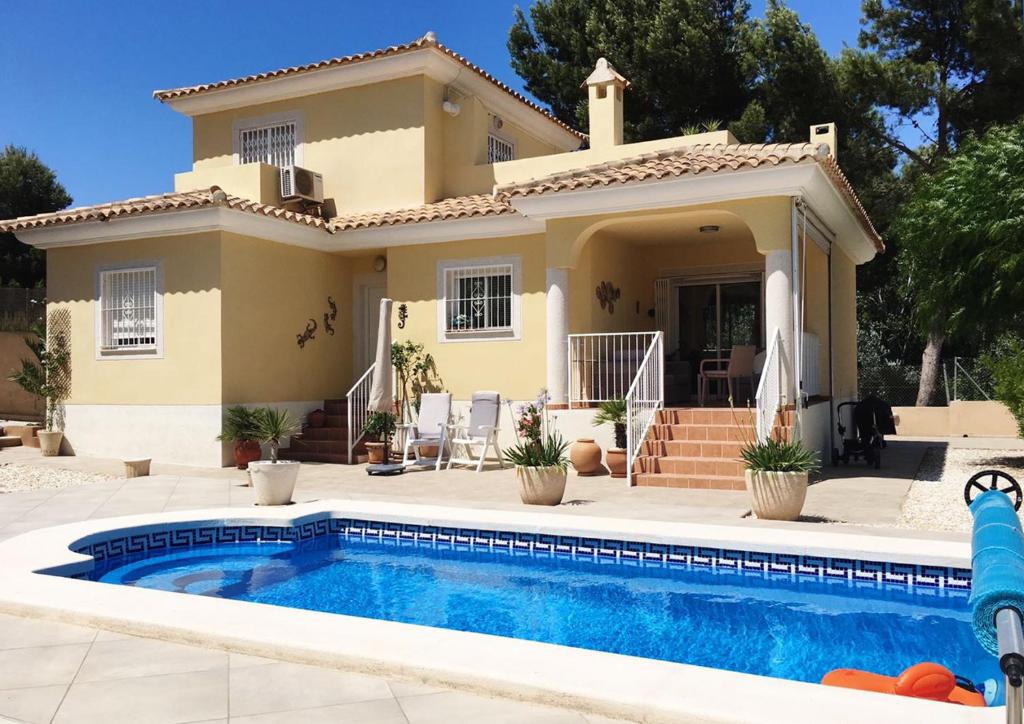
{"type": "Point", "coordinates": [381, 397]}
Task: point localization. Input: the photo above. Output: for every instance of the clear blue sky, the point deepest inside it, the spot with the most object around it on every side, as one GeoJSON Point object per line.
{"type": "Point", "coordinates": [76, 77]}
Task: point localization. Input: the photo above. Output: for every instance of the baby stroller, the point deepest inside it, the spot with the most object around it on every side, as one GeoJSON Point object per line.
{"type": "Point", "coordinates": [872, 420]}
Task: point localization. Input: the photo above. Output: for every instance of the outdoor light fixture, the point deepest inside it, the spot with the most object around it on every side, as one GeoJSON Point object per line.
{"type": "Point", "coordinates": [709, 229]}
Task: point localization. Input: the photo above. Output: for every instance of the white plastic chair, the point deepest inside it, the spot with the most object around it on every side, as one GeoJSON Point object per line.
{"type": "Point", "coordinates": [482, 430]}
{"type": "Point", "coordinates": [738, 365]}
{"type": "Point", "coordinates": [430, 429]}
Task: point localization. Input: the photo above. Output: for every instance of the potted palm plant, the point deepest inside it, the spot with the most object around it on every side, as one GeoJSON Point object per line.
{"type": "Point", "coordinates": [540, 459]}
{"type": "Point", "coordinates": [47, 377]}
{"type": "Point", "coordinates": [613, 412]}
{"type": "Point", "coordinates": [776, 474]}
{"type": "Point", "coordinates": [380, 425]}
{"type": "Point", "coordinates": [241, 427]}
{"type": "Point", "coordinates": [274, 480]}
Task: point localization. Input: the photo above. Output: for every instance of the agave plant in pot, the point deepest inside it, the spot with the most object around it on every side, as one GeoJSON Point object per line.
{"type": "Point", "coordinates": [274, 480]}
{"type": "Point", "coordinates": [241, 427]}
{"type": "Point", "coordinates": [613, 412]}
{"type": "Point", "coordinates": [776, 473]}
{"type": "Point", "coordinates": [380, 425]}
{"type": "Point", "coordinates": [540, 459]}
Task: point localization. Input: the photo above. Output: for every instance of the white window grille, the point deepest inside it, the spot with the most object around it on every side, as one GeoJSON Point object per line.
{"type": "Point", "coordinates": [273, 144]}
{"type": "Point", "coordinates": [129, 310]}
{"type": "Point", "coordinates": [500, 149]}
{"type": "Point", "coordinates": [479, 300]}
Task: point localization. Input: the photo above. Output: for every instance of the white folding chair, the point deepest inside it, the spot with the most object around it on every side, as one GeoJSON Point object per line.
{"type": "Point", "coordinates": [430, 429]}
{"type": "Point", "coordinates": [482, 430]}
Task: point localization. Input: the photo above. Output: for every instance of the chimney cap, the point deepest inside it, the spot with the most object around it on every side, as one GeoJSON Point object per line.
{"type": "Point", "coordinates": [605, 73]}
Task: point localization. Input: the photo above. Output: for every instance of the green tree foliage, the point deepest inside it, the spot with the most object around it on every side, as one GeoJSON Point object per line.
{"type": "Point", "coordinates": [683, 58]}
{"type": "Point", "coordinates": [27, 186]}
{"type": "Point", "coordinates": [963, 238]}
{"type": "Point", "coordinates": [1006, 366]}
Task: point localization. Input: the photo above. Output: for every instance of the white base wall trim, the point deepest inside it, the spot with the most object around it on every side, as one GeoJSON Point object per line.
{"type": "Point", "coordinates": [178, 434]}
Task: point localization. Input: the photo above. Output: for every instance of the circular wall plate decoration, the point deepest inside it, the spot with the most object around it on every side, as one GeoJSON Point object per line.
{"type": "Point", "coordinates": [498, 123]}
{"type": "Point", "coordinates": [380, 263]}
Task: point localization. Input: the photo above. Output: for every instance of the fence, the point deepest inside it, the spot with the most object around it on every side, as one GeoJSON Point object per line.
{"type": "Point", "coordinates": [603, 366]}
{"type": "Point", "coordinates": [897, 384]}
{"type": "Point", "coordinates": [19, 308]}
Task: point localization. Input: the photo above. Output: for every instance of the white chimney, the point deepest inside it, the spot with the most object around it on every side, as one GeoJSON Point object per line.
{"type": "Point", "coordinates": [605, 87]}
{"type": "Point", "coordinates": [826, 133]}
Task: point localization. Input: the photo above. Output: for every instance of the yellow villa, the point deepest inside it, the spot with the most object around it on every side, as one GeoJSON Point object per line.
{"type": "Point", "coordinates": [523, 254]}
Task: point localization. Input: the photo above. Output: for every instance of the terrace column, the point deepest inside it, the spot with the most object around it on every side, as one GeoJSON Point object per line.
{"type": "Point", "coordinates": [778, 310]}
{"type": "Point", "coordinates": [557, 332]}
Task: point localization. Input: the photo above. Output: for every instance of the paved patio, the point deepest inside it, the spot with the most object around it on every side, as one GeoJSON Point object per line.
{"type": "Point", "coordinates": [61, 673]}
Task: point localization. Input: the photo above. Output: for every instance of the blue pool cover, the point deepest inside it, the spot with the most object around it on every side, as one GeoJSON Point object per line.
{"type": "Point", "coordinates": [787, 626]}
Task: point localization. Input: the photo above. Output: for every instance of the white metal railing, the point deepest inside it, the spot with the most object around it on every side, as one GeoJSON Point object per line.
{"type": "Point", "coordinates": [770, 392]}
{"type": "Point", "coordinates": [357, 398]}
{"type": "Point", "coordinates": [810, 367]}
{"type": "Point", "coordinates": [645, 396]}
{"type": "Point", "coordinates": [603, 366]}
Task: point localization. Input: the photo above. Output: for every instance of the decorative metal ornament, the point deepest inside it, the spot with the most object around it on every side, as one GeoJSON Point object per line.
{"type": "Point", "coordinates": [607, 293]}
{"type": "Point", "coordinates": [327, 324]}
{"type": "Point", "coordinates": [334, 308]}
{"type": "Point", "coordinates": [403, 314]}
{"type": "Point", "coordinates": [308, 334]}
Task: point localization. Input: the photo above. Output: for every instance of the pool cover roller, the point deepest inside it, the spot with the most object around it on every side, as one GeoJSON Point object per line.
{"type": "Point", "coordinates": [997, 563]}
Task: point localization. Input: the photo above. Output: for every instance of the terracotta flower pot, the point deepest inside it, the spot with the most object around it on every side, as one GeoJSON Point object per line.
{"type": "Point", "coordinates": [317, 418]}
{"type": "Point", "coordinates": [616, 462]}
{"type": "Point", "coordinates": [49, 442]}
{"type": "Point", "coordinates": [375, 453]}
{"type": "Point", "coordinates": [776, 496]}
{"type": "Point", "coordinates": [246, 451]}
{"type": "Point", "coordinates": [428, 451]}
{"type": "Point", "coordinates": [540, 486]}
{"type": "Point", "coordinates": [585, 455]}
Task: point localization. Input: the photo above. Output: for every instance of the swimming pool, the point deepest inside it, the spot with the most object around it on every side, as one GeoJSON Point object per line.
{"type": "Point", "coordinates": [743, 612]}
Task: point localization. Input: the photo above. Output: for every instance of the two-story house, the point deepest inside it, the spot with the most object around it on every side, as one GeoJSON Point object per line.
{"type": "Point", "coordinates": [521, 253]}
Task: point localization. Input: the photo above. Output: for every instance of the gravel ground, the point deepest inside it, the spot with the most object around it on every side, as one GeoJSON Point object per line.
{"type": "Point", "coordinates": [936, 498]}
{"type": "Point", "coordinates": [36, 477]}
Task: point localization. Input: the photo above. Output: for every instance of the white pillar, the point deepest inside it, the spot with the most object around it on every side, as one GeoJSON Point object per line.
{"type": "Point", "coordinates": [778, 310]}
{"type": "Point", "coordinates": [558, 333]}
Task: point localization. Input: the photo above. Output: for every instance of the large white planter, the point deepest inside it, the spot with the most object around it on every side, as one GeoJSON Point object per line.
{"type": "Point", "coordinates": [274, 483]}
{"type": "Point", "coordinates": [541, 486]}
{"type": "Point", "coordinates": [777, 496]}
{"type": "Point", "coordinates": [49, 442]}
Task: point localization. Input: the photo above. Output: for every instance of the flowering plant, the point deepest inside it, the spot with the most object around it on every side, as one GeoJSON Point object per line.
{"type": "Point", "coordinates": [530, 419]}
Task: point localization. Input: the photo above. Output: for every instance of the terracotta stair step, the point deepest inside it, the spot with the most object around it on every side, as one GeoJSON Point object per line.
{"type": "Point", "coordinates": [339, 409]}
{"type": "Point", "coordinates": [299, 444]}
{"type": "Point", "coordinates": [10, 440]}
{"type": "Point", "coordinates": [689, 466]}
{"type": "Point", "coordinates": [691, 448]}
{"type": "Point", "coordinates": [314, 457]}
{"type": "Point", "coordinates": [336, 420]}
{"type": "Point", "coordinates": [691, 482]}
{"type": "Point", "coordinates": [324, 433]}
{"type": "Point", "coordinates": [715, 416]}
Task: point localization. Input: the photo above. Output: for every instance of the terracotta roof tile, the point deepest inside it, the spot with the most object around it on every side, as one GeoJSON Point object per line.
{"type": "Point", "coordinates": [458, 207]}
{"type": "Point", "coordinates": [697, 159]}
{"type": "Point", "coordinates": [427, 41]}
{"type": "Point", "coordinates": [178, 201]}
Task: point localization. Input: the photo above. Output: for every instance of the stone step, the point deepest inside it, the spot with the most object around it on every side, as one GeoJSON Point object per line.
{"type": "Point", "coordinates": [337, 420]}
{"type": "Point", "coordinates": [712, 433]}
{"type": "Point", "coordinates": [313, 457]}
{"type": "Point", "coordinates": [691, 482]}
{"type": "Point", "coordinates": [299, 444]}
{"type": "Point", "coordinates": [336, 407]}
{"type": "Point", "coordinates": [692, 448]}
{"type": "Point", "coordinates": [324, 433]}
{"type": "Point", "coordinates": [716, 416]}
{"type": "Point", "coordinates": [681, 465]}
{"type": "Point", "coordinates": [10, 441]}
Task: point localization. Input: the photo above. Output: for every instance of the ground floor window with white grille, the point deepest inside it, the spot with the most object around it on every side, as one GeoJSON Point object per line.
{"type": "Point", "coordinates": [129, 312]}
{"type": "Point", "coordinates": [479, 299]}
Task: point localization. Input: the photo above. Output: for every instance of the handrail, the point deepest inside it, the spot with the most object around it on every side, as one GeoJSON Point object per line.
{"type": "Point", "coordinates": [645, 397]}
{"type": "Point", "coordinates": [602, 365]}
{"type": "Point", "coordinates": [769, 395]}
{"type": "Point", "coordinates": [357, 397]}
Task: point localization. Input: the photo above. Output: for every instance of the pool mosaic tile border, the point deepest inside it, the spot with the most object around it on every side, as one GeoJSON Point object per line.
{"type": "Point", "coordinates": [637, 552]}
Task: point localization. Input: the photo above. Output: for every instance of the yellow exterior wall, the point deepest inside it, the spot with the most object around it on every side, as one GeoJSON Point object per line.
{"type": "Point", "coordinates": [844, 324]}
{"type": "Point", "coordinates": [270, 291]}
{"type": "Point", "coordinates": [816, 305]}
{"type": "Point", "coordinates": [514, 367]}
{"type": "Point", "coordinates": [189, 373]}
{"type": "Point", "coordinates": [368, 142]}
{"type": "Point", "coordinates": [608, 259]}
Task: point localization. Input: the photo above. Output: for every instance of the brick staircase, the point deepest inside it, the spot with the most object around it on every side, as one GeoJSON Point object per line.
{"type": "Point", "coordinates": [698, 448]}
{"type": "Point", "coordinates": [327, 444]}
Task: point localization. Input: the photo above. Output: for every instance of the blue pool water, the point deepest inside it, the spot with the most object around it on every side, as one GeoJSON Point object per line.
{"type": "Point", "coordinates": [791, 627]}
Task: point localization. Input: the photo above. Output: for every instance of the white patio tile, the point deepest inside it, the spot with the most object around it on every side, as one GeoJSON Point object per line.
{"type": "Point", "coordinates": [17, 632]}
{"type": "Point", "coordinates": [459, 706]}
{"type": "Point", "coordinates": [380, 711]}
{"type": "Point", "coordinates": [284, 687]}
{"type": "Point", "coordinates": [35, 705]}
{"type": "Point", "coordinates": [40, 665]}
{"type": "Point", "coordinates": [131, 657]}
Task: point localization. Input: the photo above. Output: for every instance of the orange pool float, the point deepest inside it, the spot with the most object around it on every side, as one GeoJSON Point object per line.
{"type": "Point", "coordinates": [921, 681]}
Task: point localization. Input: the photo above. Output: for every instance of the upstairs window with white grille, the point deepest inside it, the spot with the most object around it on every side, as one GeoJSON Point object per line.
{"type": "Point", "coordinates": [500, 149]}
{"type": "Point", "coordinates": [129, 311]}
{"type": "Point", "coordinates": [479, 301]}
{"type": "Point", "coordinates": [271, 139]}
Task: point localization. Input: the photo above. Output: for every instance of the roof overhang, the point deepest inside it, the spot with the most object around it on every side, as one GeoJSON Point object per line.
{"type": "Point", "coordinates": [806, 180]}
{"type": "Point", "coordinates": [428, 61]}
{"type": "Point", "coordinates": [179, 222]}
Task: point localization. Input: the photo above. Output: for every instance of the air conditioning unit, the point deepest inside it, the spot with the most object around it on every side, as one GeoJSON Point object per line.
{"type": "Point", "coordinates": [301, 183]}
